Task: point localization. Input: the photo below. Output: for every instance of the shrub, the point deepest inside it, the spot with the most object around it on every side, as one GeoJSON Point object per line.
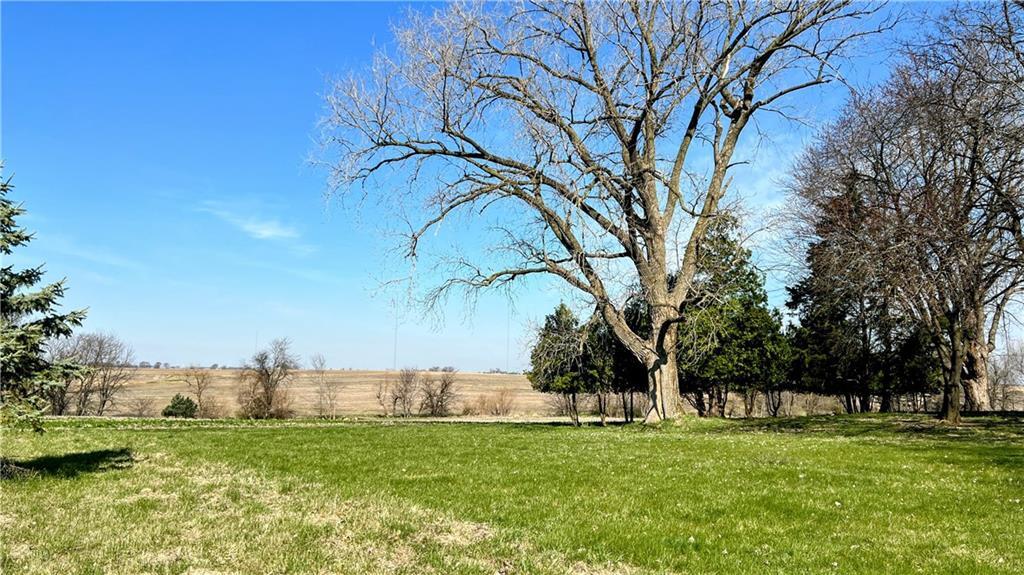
{"type": "Point", "coordinates": [181, 406]}
{"type": "Point", "coordinates": [499, 403]}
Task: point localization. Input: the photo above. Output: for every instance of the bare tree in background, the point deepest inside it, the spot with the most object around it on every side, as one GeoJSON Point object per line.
{"type": "Point", "coordinates": [199, 381]}
{"type": "Point", "coordinates": [1006, 378]}
{"type": "Point", "coordinates": [141, 406]}
{"type": "Point", "coordinates": [327, 391]}
{"type": "Point", "coordinates": [403, 393]}
{"type": "Point", "coordinates": [501, 402]}
{"type": "Point", "coordinates": [602, 133]}
{"type": "Point", "coordinates": [917, 192]}
{"type": "Point", "coordinates": [438, 395]}
{"type": "Point", "coordinates": [383, 396]}
{"type": "Point", "coordinates": [263, 390]}
{"type": "Point", "coordinates": [109, 363]}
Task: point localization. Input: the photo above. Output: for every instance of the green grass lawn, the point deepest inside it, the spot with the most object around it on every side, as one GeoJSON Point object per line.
{"type": "Point", "coordinates": [868, 494]}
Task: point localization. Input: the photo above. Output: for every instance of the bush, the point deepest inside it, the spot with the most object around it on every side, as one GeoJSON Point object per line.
{"type": "Point", "coordinates": [181, 406]}
{"type": "Point", "coordinates": [499, 403]}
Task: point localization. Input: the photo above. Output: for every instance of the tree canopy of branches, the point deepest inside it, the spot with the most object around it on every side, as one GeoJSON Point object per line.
{"type": "Point", "coordinates": [916, 191]}
{"type": "Point", "coordinates": [29, 322]}
{"type": "Point", "coordinates": [109, 362]}
{"type": "Point", "coordinates": [601, 135]}
{"type": "Point", "coordinates": [263, 393]}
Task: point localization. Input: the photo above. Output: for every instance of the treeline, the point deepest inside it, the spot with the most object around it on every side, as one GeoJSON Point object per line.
{"type": "Point", "coordinates": [734, 346]}
{"type": "Point", "coordinates": [908, 208]}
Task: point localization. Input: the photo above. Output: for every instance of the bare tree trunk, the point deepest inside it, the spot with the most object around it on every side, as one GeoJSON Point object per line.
{"type": "Point", "coordinates": [848, 403]}
{"type": "Point", "coordinates": [952, 390]}
{"type": "Point", "coordinates": [663, 390]}
{"type": "Point", "coordinates": [975, 384]}
{"type": "Point", "coordinates": [886, 405]}
{"type": "Point", "coordinates": [749, 399]}
{"type": "Point", "coordinates": [865, 403]}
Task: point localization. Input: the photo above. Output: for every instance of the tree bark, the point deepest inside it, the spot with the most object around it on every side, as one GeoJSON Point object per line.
{"type": "Point", "coordinates": [886, 405]}
{"type": "Point", "coordinates": [976, 349]}
{"type": "Point", "coordinates": [848, 403]}
{"type": "Point", "coordinates": [663, 391]}
{"type": "Point", "coordinates": [952, 391]}
{"type": "Point", "coordinates": [975, 384]}
{"type": "Point", "coordinates": [865, 403]}
{"type": "Point", "coordinates": [749, 399]}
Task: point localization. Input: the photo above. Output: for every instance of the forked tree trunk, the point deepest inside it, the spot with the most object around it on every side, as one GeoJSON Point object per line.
{"type": "Point", "coordinates": [849, 403]}
{"type": "Point", "coordinates": [749, 400]}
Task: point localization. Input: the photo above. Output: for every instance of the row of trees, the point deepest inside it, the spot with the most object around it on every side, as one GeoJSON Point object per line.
{"type": "Point", "coordinates": [844, 344]}
{"type": "Point", "coordinates": [910, 208]}
{"type": "Point", "coordinates": [620, 124]}
{"type": "Point", "coordinates": [912, 202]}
{"type": "Point", "coordinates": [433, 393]}
{"type": "Point", "coordinates": [731, 341]}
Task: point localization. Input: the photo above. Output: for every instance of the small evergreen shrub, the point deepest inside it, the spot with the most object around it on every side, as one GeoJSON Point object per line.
{"type": "Point", "coordinates": [181, 406]}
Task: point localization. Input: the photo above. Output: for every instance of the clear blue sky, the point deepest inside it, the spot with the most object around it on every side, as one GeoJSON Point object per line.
{"type": "Point", "coordinates": [161, 152]}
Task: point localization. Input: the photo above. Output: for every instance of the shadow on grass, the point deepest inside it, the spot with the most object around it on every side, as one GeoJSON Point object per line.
{"type": "Point", "coordinates": [988, 429]}
{"type": "Point", "coordinates": [68, 465]}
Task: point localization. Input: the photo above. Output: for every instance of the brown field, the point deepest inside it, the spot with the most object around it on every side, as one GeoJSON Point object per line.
{"type": "Point", "coordinates": [357, 395]}
{"type": "Point", "coordinates": [152, 389]}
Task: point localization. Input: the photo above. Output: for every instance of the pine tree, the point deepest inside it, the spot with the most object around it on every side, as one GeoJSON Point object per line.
{"type": "Point", "coordinates": [29, 319]}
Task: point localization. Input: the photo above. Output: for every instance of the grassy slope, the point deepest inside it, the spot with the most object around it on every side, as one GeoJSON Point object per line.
{"type": "Point", "coordinates": [845, 495]}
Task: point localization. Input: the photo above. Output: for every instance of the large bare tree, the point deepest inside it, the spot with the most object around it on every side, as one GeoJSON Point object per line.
{"type": "Point", "coordinates": [600, 134]}
{"type": "Point", "coordinates": [917, 191]}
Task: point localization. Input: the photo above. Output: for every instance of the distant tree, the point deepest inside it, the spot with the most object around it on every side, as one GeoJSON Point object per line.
{"type": "Point", "coordinates": [852, 344]}
{"type": "Point", "coordinates": [181, 406]}
{"type": "Point", "coordinates": [264, 381]}
{"type": "Point", "coordinates": [109, 360]}
{"type": "Point", "coordinates": [141, 406]}
{"type": "Point", "coordinates": [327, 391]}
{"type": "Point", "coordinates": [438, 395]}
{"type": "Point", "coordinates": [29, 323]}
{"type": "Point", "coordinates": [1006, 378]}
{"type": "Point", "coordinates": [214, 366]}
{"type": "Point", "coordinates": [403, 394]}
{"type": "Point", "coordinates": [157, 365]}
{"type": "Point", "coordinates": [145, 365]}
{"type": "Point", "coordinates": [60, 394]}
{"type": "Point", "coordinates": [199, 381]}
{"type": "Point", "coordinates": [732, 341]}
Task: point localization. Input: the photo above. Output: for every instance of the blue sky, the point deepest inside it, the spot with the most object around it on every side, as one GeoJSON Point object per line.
{"type": "Point", "coordinates": [161, 150]}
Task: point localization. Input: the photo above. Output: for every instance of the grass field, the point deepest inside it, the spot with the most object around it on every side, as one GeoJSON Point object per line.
{"type": "Point", "coordinates": [863, 494]}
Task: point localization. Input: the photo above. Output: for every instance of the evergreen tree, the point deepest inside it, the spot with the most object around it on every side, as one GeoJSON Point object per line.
{"type": "Point", "coordinates": [851, 344]}
{"type": "Point", "coordinates": [734, 342]}
{"type": "Point", "coordinates": [557, 359]}
{"type": "Point", "coordinates": [29, 319]}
